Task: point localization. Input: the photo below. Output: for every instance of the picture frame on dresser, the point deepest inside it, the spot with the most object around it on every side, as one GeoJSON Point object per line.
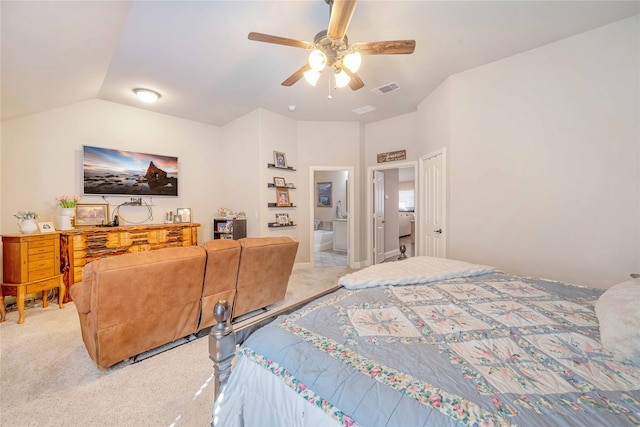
{"type": "Point", "coordinates": [91, 215]}
{"type": "Point", "coordinates": [184, 214]}
{"type": "Point", "coordinates": [46, 227]}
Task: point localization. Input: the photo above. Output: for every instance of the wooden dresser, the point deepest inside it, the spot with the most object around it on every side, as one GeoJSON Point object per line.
{"type": "Point", "coordinates": [31, 264]}
{"type": "Point", "coordinates": [82, 245]}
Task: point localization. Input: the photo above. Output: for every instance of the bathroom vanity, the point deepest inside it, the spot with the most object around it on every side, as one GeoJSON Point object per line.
{"type": "Point", "coordinates": [340, 234]}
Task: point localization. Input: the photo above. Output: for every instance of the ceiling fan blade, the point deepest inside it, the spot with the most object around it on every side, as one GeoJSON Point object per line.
{"type": "Point", "coordinates": [267, 38]}
{"type": "Point", "coordinates": [293, 78]}
{"type": "Point", "coordinates": [390, 47]}
{"type": "Point", "coordinates": [356, 82]}
{"type": "Point", "coordinates": [341, 13]}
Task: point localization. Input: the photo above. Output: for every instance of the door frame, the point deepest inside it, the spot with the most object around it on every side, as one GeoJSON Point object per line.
{"type": "Point", "coordinates": [423, 199]}
{"type": "Point", "coordinates": [351, 214]}
{"type": "Point", "coordinates": [370, 208]}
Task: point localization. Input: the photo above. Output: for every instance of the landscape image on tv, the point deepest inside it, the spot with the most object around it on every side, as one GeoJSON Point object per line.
{"type": "Point", "coordinates": [119, 172]}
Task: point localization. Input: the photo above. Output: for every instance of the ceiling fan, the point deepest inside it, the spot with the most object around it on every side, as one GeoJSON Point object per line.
{"type": "Point", "coordinates": [331, 48]}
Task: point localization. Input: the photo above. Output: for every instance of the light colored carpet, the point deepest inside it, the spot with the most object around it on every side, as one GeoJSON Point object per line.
{"type": "Point", "coordinates": [48, 379]}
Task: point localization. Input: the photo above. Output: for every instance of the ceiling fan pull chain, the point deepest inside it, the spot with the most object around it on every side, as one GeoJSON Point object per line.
{"type": "Point", "coordinates": [329, 96]}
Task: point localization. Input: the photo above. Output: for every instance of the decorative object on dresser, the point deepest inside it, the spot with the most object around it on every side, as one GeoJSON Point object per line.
{"type": "Point", "coordinates": [46, 227]}
{"type": "Point", "coordinates": [65, 220]}
{"type": "Point", "coordinates": [26, 221]}
{"type": "Point", "coordinates": [82, 245]}
{"type": "Point", "coordinates": [184, 214]}
{"type": "Point", "coordinates": [234, 229]}
{"type": "Point", "coordinates": [90, 215]}
{"type": "Point", "coordinates": [31, 264]}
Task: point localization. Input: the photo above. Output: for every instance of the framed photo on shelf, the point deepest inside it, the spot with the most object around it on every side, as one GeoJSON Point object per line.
{"type": "Point", "coordinates": [282, 197]}
{"type": "Point", "coordinates": [324, 194]}
{"type": "Point", "coordinates": [225, 227]}
{"type": "Point", "coordinates": [279, 182]}
{"type": "Point", "coordinates": [184, 214]}
{"type": "Point", "coordinates": [282, 219]}
{"type": "Point", "coordinates": [90, 215]}
{"type": "Point", "coordinates": [46, 227]}
{"type": "Point", "coordinates": [280, 160]}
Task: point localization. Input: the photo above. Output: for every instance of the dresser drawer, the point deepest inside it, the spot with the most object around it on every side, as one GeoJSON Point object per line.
{"type": "Point", "coordinates": [38, 243]}
{"type": "Point", "coordinates": [41, 257]}
{"type": "Point", "coordinates": [40, 264]}
{"type": "Point", "coordinates": [48, 249]}
{"type": "Point", "coordinates": [40, 274]}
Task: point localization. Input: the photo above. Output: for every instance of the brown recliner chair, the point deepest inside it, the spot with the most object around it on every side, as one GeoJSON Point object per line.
{"type": "Point", "coordinates": [263, 275]}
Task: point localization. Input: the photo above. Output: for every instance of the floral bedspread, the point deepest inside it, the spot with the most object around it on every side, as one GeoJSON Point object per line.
{"type": "Point", "coordinates": [486, 350]}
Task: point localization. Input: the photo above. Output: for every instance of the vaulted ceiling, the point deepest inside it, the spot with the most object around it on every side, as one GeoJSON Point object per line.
{"type": "Point", "coordinates": [197, 55]}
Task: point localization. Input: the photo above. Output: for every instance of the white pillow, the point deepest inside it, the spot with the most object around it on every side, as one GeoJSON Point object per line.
{"type": "Point", "coordinates": [618, 311]}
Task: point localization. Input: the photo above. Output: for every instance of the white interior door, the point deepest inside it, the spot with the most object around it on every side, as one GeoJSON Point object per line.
{"type": "Point", "coordinates": [434, 197]}
{"type": "Point", "coordinates": [378, 216]}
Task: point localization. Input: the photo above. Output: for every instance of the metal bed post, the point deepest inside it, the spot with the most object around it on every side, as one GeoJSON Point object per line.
{"type": "Point", "coordinates": [222, 346]}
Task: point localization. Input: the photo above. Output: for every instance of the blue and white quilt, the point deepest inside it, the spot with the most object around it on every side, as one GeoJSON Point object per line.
{"type": "Point", "coordinates": [487, 350]}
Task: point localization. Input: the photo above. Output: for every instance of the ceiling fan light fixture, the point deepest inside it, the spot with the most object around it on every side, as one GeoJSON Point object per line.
{"type": "Point", "coordinates": [317, 60]}
{"type": "Point", "coordinates": [312, 76]}
{"type": "Point", "coordinates": [352, 61]}
{"type": "Point", "coordinates": [147, 96]}
{"type": "Point", "coordinates": [342, 78]}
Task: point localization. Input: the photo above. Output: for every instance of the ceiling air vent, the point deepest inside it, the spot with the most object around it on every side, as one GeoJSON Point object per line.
{"type": "Point", "coordinates": [364, 110]}
{"type": "Point", "coordinates": [388, 88]}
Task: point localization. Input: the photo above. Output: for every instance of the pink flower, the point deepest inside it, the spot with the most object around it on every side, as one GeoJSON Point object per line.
{"type": "Point", "coordinates": [68, 201]}
{"type": "Point", "coordinates": [435, 400]}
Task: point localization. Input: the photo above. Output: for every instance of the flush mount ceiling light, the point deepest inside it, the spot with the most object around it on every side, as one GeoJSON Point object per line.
{"type": "Point", "coordinates": [331, 48]}
{"type": "Point", "coordinates": [147, 96]}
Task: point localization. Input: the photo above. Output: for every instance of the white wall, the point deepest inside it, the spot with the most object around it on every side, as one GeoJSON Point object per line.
{"type": "Point", "coordinates": [238, 176]}
{"type": "Point", "coordinates": [278, 133]}
{"type": "Point", "coordinates": [326, 144]}
{"type": "Point", "coordinates": [396, 133]}
{"type": "Point", "coordinates": [543, 162]}
{"type": "Point", "coordinates": [42, 158]}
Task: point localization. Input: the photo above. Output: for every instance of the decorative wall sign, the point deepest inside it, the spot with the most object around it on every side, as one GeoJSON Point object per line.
{"type": "Point", "coordinates": [392, 156]}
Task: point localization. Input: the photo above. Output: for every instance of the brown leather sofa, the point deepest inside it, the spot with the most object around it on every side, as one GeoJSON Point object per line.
{"type": "Point", "coordinates": [133, 303]}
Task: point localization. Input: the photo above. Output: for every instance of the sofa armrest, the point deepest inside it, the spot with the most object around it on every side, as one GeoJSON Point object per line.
{"type": "Point", "coordinates": [81, 294]}
{"type": "Point", "coordinates": [81, 291]}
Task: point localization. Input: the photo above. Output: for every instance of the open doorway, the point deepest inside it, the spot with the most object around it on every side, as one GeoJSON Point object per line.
{"type": "Point", "coordinates": [393, 219]}
{"type": "Point", "coordinates": [331, 201]}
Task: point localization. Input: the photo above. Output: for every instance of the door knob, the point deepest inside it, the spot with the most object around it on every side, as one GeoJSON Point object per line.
{"type": "Point", "coordinates": [439, 231]}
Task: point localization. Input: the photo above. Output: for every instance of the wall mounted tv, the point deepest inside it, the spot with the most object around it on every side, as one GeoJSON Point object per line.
{"type": "Point", "coordinates": [118, 172]}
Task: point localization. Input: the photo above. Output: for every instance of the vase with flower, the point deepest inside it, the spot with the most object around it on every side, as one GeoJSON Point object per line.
{"type": "Point", "coordinates": [26, 222]}
{"type": "Point", "coordinates": [64, 221]}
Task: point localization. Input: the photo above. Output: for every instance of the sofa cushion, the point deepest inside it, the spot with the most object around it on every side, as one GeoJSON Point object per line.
{"type": "Point", "coordinates": [263, 275]}
{"type": "Point", "coordinates": [221, 273]}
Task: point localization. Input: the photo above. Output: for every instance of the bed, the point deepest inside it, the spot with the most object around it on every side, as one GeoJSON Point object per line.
{"type": "Point", "coordinates": [437, 342]}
